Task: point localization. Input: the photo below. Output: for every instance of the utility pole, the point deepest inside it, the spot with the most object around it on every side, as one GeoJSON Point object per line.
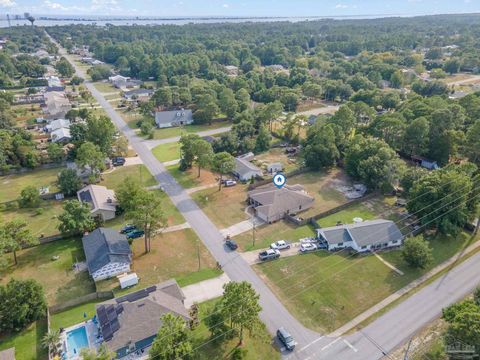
{"type": "Point", "coordinates": [198, 253]}
{"type": "Point", "coordinates": [253, 232]}
{"type": "Point", "coordinates": [408, 349]}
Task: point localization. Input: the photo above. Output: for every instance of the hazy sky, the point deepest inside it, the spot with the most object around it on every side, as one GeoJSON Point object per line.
{"type": "Point", "coordinates": [239, 7]}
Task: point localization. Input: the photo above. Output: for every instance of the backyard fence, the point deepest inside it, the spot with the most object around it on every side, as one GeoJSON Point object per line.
{"type": "Point", "coordinates": [268, 181]}
{"type": "Point", "coordinates": [313, 220]}
{"type": "Point", "coordinates": [81, 300]}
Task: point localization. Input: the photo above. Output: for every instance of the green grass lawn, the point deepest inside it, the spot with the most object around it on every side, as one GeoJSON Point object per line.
{"type": "Point", "coordinates": [172, 255]}
{"type": "Point", "coordinates": [167, 152]}
{"type": "Point", "coordinates": [319, 288]}
{"type": "Point", "coordinates": [225, 207]}
{"type": "Point", "coordinates": [346, 216]}
{"type": "Point", "coordinates": [105, 87]}
{"type": "Point", "coordinates": [179, 131]}
{"type": "Point", "coordinates": [267, 234]}
{"type": "Point", "coordinates": [27, 343]}
{"type": "Point", "coordinates": [44, 223]}
{"type": "Point", "coordinates": [73, 315]}
{"type": "Point", "coordinates": [197, 276]}
{"type": "Point", "coordinates": [59, 281]}
{"type": "Point", "coordinates": [257, 347]}
{"type": "Point", "coordinates": [189, 178]}
{"type": "Point", "coordinates": [12, 185]}
{"type": "Point", "coordinates": [114, 179]}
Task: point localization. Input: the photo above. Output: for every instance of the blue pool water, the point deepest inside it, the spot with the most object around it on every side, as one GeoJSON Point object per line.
{"type": "Point", "coordinates": [76, 340]}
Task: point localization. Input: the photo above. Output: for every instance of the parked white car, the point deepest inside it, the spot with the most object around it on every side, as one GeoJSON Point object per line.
{"type": "Point", "coordinates": [308, 240]}
{"type": "Point", "coordinates": [307, 247]}
{"type": "Point", "coordinates": [229, 183]}
{"type": "Point", "coordinates": [280, 245]}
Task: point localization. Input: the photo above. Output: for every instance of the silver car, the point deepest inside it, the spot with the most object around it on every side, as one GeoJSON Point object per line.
{"type": "Point", "coordinates": [280, 245]}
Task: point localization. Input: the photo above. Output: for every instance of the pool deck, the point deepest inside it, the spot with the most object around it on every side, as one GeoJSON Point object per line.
{"type": "Point", "coordinates": [92, 332]}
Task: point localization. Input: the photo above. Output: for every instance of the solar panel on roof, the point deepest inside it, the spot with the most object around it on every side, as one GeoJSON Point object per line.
{"type": "Point", "coordinates": [137, 295]}
{"type": "Point", "coordinates": [151, 289]}
{"type": "Point", "coordinates": [119, 309]}
{"type": "Point", "coordinates": [107, 332]}
{"type": "Point", "coordinates": [115, 325]}
{"type": "Point", "coordinates": [85, 196]}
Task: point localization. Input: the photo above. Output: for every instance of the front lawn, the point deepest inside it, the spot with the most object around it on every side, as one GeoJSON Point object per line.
{"type": "Point", "coordinates": [59, 281]}
{"type": "Point", "coordinates": [40, 222]}
{"type": "Point", "coordinates": [189, 178]}
{"type": "Point", "coordinates": [173, 255]}
{"type": "Point", "coordinates": [188, 129]}
{"type": "Point", "coordinates": [113, 179]}
{"type": "Point", "coordinates": [105, 87]}
{"type": "Point", "coordinates": [12, 185]}
{"type": "Point", "coordinates": [269, 233]}
{"type": "Point", "coordinates": [167, 152]}
{"type": "Point", "coordinates": [225, 207]}
{"type": "Point", "coordinates": [326, 290]}
{"type": "Point", "coordinates": [27, 343]}
{"type": "Point", "coordinates": [257, 347]}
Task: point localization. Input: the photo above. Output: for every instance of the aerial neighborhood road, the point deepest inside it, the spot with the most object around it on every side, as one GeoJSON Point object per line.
{"type": "Point", "coordinates": [375, 341]}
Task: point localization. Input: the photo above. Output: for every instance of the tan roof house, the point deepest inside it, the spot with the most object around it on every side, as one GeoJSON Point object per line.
{"type": "Point", "coordinates": [272, 204]}
{"type": "Point", "coordinates": [101, 200]}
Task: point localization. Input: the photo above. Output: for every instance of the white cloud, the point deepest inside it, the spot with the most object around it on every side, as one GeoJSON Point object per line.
{"type": "Point", "coordinates": [7, 3]}
{"type": "Point", "coordinates": [226, 6]}
{"type": "Point", "coordinates": [53, 5]}
{"type": "Point", "coordinates": [341, 6]}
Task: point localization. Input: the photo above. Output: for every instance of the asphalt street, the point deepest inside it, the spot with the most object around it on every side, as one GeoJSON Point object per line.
{"type": "Point", "coordinates": [373, 342]}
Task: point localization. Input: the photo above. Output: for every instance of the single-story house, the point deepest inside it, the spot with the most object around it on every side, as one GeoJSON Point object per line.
{"type": "Point", "coordinates": [209, 139]}
{"type": "Point", "coordinates": [118, 81]}
{"type": "Point", "coordinates": [364, 236]}
{"type": "Point", "coordinates": [53, 81]}
{"type": "Point", "coordinates": [274, 168]}
{"type": "Point", "coordinates": [166, 119]}
{"type": "Point", "coordinates": [272, 204]}
{"type": "Point", "coordinates": [425, 163]}
{"type": "Point", "coordinates": [245, 170]}
{"type": "Point", "coordinates": [8, 354]}
{"type": "Point", "coordinates": [130, 323]}
{"type": "Point", "coordinates": [56, 105]}
{"type": "Point", "coordinates": [138, 94]}
{"type": "Point", "coordinates": [231, 70]}
{"type": "Point", "coordinates": [101, 200]}
{"type": "Point", "coordinates": [61, 135]}
{"type": "Point", "coordinates": [107, 253]}
{"type": "Point", "coordinates": [57, 124]}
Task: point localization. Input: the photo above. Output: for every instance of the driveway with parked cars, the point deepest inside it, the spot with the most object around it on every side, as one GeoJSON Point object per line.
{"type": "Point", "coordinates": [251, 257]}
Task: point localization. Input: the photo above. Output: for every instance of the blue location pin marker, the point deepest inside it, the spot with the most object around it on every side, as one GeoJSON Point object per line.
{"type": "Point", "coordinates": [279, 180]}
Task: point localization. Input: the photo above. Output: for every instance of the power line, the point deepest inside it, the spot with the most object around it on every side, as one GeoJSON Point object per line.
{"type": "Point", "coordinates": [324, 279]}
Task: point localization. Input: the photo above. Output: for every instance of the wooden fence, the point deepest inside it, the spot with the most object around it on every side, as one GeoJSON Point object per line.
{"type": "Point", "coordinates": [313, 219]}
{"type": "Point", "coordinates": [81, 300]}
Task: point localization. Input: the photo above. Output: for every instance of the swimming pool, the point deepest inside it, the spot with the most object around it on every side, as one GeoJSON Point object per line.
{"type": "Point", "coordinates": [76, 340]}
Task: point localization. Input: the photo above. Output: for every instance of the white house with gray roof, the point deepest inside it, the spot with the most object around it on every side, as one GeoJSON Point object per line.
{"type": "Point", "coordinates": [365, 236]}
{"type": "Point", "coordinates": [245, 170]}
{"type": "Point", "coordinates": [107, 253]}
{"type": "Point", "coordinates": [166, 119]}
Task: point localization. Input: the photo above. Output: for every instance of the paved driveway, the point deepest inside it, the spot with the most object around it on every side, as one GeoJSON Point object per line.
{"type": "Point", "coordinates": [374, 342]}
{"type": "Point", "coordinates": [205, 290]}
